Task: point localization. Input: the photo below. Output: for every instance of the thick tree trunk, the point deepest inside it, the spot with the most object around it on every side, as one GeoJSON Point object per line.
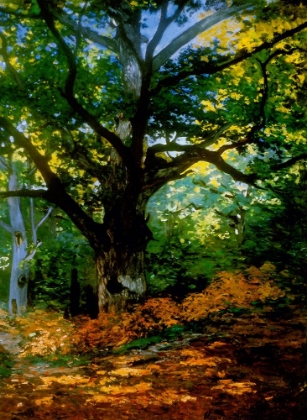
{"type": "Point", "coordinates": [120, 265]}
{"type": "Point", "coordinates": [121, 279]}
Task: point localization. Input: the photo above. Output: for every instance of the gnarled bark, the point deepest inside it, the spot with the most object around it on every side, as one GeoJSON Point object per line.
{"type": "Point", "coordinates": [121, 279]}
{"type": "Point", "coordinates": [120, 263]}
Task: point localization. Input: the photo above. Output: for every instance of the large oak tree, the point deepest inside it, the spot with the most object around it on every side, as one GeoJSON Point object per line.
{"type": "Point", "coordinates": [108, 100]}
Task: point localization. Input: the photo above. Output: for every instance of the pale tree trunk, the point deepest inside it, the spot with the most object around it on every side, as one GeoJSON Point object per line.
{"type": "Point", "coordinates": [240, 220]}
{"type": "Point", "coordinates": [18, 296]}
{"type": "Point", "coordinates": [19, 269]}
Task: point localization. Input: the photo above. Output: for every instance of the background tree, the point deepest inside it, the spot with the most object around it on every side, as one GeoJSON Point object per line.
{"type": "Point", "coordinates": [88, 91]}
{"type": "Point", "coordinates": [22, 254]}
{"type": "Point", "coordinates": [64, 258]}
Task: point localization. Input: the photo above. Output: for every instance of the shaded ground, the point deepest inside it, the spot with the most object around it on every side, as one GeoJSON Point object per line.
{"type": "Point", "coordinates": [247, 366]}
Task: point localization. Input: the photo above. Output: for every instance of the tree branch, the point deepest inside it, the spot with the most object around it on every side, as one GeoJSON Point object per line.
{"type": "Point", "coordinates": [26, 193]}
{"type": "Point", "coordinates": [289, 162]}
{"type": "Point", "coordinates": [55, 193]}
{"type": "Point", "coordinates": [44, 218]}
{"type": "Point", "coordinates": [32, 254]}
{"type": "Point", "coordinates": [78, 33]}
{"type": "Point", "coordinates": [4, 166]}
{"type": "Point", "coordinates": [209, 68]}
{"type": "Point", "coordinates": [175, 147]}
{"type": "Point", "coordinates": [222, 165]}
{"type": "Point", "coordinates": [169, 147]}
{"type": "Point", "coordinates": [180, 6]}
{"type": "Point", "coordinates": [199, 27]}
{"type": "Point", "coordinates": [68, 93]}
{"type": "Point", "coordinates": [247, 140]}
{"type": "Point", "coordinates": [213, 137]}
{"type": "Point", "coordinates": [155, 177]}
{"type": "Point", "coordinates": [163, 25]}
{"type": "Point", "coordinates": [8, 66]}
{"type": "Point", "coordinates": [33, 227]}
{"type": "Point", "coordinates": [87, 33]}
{"type": "Point", "coordinates": [6, 227]}
{"type": "Point", "coordinates": [265, 91]}
{"type": "Point", "coordinates": [40, 161]}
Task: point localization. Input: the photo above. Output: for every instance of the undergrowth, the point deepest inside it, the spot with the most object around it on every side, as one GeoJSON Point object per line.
{"type": "Point", "coordinates": [162, 318]}
{"type": "Point", "coordinates": [47, 334]}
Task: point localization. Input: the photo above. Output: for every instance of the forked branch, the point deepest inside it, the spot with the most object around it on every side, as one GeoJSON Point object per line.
{"type": "Point", "coordinates": [68, 93]}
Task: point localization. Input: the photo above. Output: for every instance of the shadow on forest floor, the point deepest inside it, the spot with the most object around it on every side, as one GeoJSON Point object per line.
{"type": "Point", "coordinates": [235, 365]}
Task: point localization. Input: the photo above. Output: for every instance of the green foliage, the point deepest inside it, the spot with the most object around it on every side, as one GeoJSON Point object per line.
{"type": "Point", "coordinates": [191, 240]}
{"type": "Point", "coordinates": [207, 223]}
{"type": "Point", "coordinates": [68, 94]}
{"type": "Point", "coordinates": [5, 251]}
{"type": "Point", "coordinates": [168, 334]}
{"type": "Point", "coordinates": [57, 360]}
{"type": "Point", "coordinates": [6, 363]}
{"type": "Point", "coordinates": [60, 253]}
{"type": "Point", "coordinates": [4, 284]}
{"type": "Point", "coordinates": [140, 343]}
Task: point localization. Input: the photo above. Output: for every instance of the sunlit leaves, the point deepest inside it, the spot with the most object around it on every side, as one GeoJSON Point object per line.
{"type": "Point", "coordinates": [235, 290]}
{"type": "Point", "coordinates": [149, 318]}
{"type": "Point", "coordinates": [247, 32]}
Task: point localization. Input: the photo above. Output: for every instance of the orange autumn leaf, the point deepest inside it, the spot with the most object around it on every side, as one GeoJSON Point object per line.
{"type": "Point", "coordinates": [117, 389]}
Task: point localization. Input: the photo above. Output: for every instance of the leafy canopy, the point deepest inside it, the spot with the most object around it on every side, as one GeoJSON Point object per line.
{"type": "Point", "coordinates": [85, 86]}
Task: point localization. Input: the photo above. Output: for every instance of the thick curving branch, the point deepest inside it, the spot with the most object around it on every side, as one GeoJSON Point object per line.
{"type": "Point", "coordinates": [68, 93]}
{"type": "Point", "coordinates": [164, 23]}
{"type": "Point", "coordinates": [287, 163]}
{"type": "Point", "coordinates": [39, 160]}
{"type": "Point", "coordinates": [261, 123]}
{"type": "Point", "coordinates": [191, 33]}
{"type": "Point", "coordinates": [172, 146]}
{"type": "Point", "coordinates": [87, 33]}
{"type": "Point", "coordinates": [157, 176]}
{"type": "Point", "coordinates": [213, 68]}
{"type": "Point", "coordinates": [55, 192]}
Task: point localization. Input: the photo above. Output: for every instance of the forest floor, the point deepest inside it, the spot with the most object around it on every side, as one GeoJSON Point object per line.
{"type": "Point", "coordinates": [235, 365]}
